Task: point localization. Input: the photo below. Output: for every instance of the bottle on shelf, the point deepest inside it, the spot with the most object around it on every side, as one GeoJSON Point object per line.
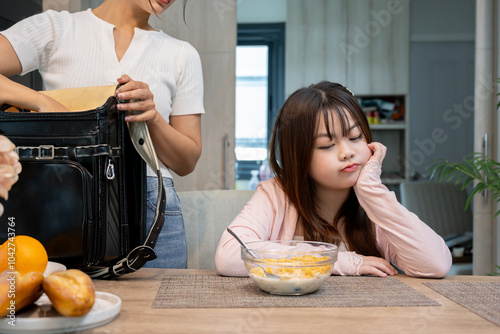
{"type": "Point", "coordinates": [264, 171]}
{"type": "Point", "coordinates": [254, 180]}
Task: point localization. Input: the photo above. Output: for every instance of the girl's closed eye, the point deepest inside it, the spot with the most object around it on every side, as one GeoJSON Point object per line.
{"type": "Point", "coordinates": [326, 147]}
{"type": "Point", "coordinates": [325, 143]}
{"type": "Point", "coordinates": [355, 138]}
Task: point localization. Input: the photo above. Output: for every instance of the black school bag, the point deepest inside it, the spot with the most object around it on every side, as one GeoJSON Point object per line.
{"type": "Point", "coordinates": [82, 190]}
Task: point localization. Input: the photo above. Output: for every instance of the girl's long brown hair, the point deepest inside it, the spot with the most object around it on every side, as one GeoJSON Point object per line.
{"type": "Point", "coordinates": [291, 149]}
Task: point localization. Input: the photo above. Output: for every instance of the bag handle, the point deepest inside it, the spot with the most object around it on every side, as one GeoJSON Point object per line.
{"type": "Point", "coordinates": [136, 259]}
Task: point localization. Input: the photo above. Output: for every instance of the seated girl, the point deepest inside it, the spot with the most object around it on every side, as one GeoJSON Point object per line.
{"type": "Point", "coordinates": [327, 187]}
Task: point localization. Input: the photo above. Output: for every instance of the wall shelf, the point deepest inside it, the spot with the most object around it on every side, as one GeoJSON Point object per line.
{"type": "Point", "coordinates": [391, 131]}
{"type": "Point", "coordinates": [388, 126]}
{"type": "Point", "coordinates": [392, 180]}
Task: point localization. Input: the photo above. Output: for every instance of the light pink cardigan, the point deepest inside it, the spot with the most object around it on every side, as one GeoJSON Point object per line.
{"type": "Point", "coordinates": [403, 239]}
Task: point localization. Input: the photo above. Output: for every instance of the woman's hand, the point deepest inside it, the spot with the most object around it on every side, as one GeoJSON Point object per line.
{"type": "Point", "coordinates": [378, 150]}
{"type": "Point", "coordinates": [10, 167]}
{"type": "Point", "coordinates": [141, 99]}
{"type": "Point", "coordinates": [178, 142]}
{"type": "Point", "coordinates": [15, 94]}
{"type": "Point", "coordinates": [48, 104]}
{"type": "Point", "coordinates": [377, 266]}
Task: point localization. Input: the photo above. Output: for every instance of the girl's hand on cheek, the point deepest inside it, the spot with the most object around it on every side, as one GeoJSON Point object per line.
{"type": "Point", "coordinates": [140, 97]}
{"type": "Point", "coordinates": [377, 266]}
{"type": "Point", "coordinates": [377, 156]}
{"type": "Point", "coordinates": [378, 150]}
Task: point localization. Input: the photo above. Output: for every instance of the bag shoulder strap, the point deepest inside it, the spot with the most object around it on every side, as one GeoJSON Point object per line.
{"type": "Point", "coordinates": [140, 255]}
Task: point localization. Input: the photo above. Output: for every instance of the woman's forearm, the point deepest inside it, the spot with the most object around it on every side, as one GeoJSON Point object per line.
{"type": "Point", "coordinates": [11, 92]}
{"type": "Point", "coordinates": [178, 144]}
{"type": "Point", "coordinates": [17, 95]}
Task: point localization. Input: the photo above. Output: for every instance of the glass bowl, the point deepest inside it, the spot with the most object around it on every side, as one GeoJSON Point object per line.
{"type": "Point", "coordinates": [302, 266]}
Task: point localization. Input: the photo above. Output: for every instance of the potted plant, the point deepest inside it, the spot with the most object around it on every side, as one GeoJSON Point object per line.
{"type": "Point", "coordinates": [476, 169]}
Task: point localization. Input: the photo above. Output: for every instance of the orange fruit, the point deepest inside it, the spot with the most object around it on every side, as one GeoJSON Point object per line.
{"type": "Point", "coordinates": [24, 254]}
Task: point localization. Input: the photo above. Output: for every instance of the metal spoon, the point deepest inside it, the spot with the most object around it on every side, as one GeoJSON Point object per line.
{"type": "Point", "coordinates": [267, 273]}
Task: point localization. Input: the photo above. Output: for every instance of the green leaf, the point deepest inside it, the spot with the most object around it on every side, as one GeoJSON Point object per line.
{"type": "Point", "coordinates": [494, 273]}
{"type": "Point", "coordinates": [481, 172]}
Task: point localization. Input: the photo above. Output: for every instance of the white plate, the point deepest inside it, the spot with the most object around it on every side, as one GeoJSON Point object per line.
{"type": "Point", "coordinates": [35, 319]}
{"type": "Point", "coordinates": [53, 267]}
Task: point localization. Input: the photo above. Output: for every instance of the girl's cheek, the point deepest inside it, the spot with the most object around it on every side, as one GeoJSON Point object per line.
{"type": "Point", "coordinates": [367, 153]}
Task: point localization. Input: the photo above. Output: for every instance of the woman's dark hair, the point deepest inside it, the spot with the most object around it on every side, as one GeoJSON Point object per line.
{"type": "Point", "coordinates": [291, 147]}
{"type": "Point", "coordinates": [183, 9]}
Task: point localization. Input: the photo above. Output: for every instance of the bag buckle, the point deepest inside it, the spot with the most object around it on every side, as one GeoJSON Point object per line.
{"type": "Point", "coordinates": [43, 148]}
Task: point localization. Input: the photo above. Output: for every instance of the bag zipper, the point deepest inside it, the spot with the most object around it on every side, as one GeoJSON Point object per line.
{"type": "Point", "coordinates": [110, 169]}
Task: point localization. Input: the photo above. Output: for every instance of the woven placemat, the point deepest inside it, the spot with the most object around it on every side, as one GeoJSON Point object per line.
{"type": "Point", "coordinates": [482, 298]}
{"type": "Point", "coordinates": [209, 291]}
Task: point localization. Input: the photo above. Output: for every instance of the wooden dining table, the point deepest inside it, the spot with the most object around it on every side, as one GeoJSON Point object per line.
{"type": "Point", "coordinates": [138, 291]}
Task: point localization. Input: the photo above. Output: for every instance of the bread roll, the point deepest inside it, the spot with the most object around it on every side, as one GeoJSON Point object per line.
{"type": "Point", "coordinates": [18, 291]}
{"type": "Point", "coordinates": [71, 292]}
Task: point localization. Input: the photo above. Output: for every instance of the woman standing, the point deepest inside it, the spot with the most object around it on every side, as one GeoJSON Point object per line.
{"type": "Point", "coordinates": [114, 44]}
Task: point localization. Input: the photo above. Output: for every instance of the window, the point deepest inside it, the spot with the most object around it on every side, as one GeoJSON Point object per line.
{"type": "Point", "coordinates": [251, 102]}
{"type": "Point", "coordinates": [259, 94]}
